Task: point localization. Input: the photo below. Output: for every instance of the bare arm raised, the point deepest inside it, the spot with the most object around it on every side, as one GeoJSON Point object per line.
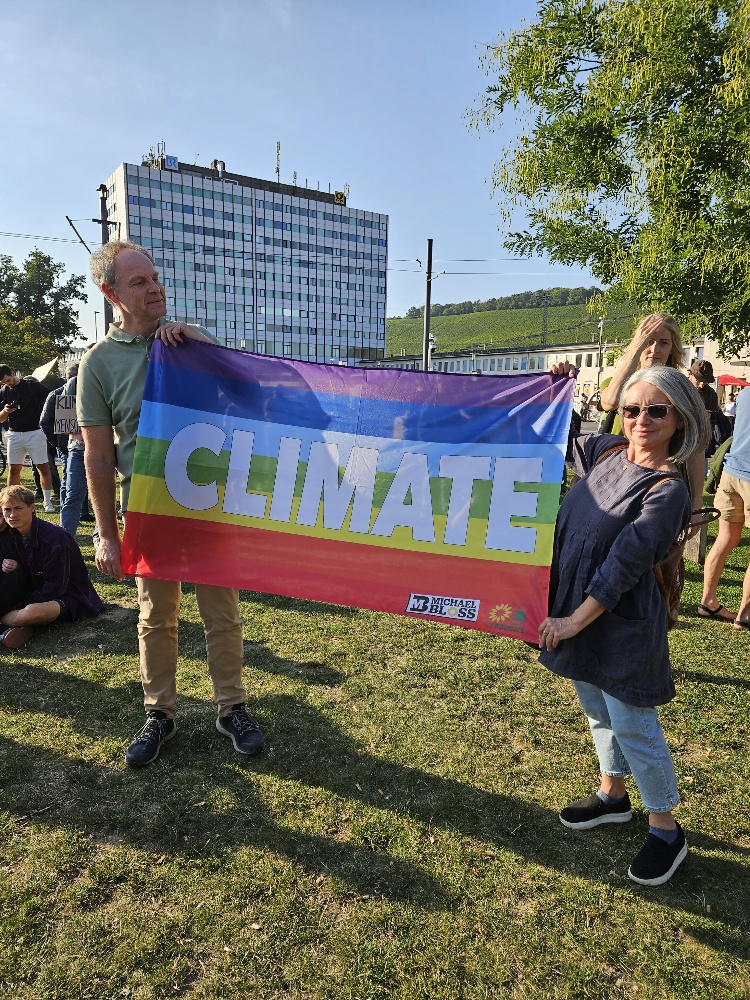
{"type": "Point", "coordinates": [651, 344]}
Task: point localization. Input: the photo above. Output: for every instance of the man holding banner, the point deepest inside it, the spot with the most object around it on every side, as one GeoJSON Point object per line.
{"type": "Point", "coordinates": [110, 392]}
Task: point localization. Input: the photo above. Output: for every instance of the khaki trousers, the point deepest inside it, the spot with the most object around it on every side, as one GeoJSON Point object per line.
{"type": "Point", "coordinates": [219, 608]}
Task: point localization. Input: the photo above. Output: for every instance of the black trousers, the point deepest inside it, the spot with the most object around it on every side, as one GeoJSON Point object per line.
{"type": "Point", "coordinates": [15, 589]}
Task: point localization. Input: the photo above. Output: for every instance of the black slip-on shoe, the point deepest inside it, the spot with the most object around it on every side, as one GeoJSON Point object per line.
{"type": "Point", "coordinates": [657, 861]}
{"type": "Point", "coordinates": [583, 814]}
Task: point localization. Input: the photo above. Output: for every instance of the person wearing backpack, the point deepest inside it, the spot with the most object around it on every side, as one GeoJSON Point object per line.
{"type": "Point", "coordinates": [607, 624]}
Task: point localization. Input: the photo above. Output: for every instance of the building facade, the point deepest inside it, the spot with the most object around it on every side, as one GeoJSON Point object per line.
{"type": "Point", "coordinates": [593, 369]}
{"type": "Point", "coordinates": [266, 267]}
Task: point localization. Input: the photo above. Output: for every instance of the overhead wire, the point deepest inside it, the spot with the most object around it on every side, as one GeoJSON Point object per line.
{"type": "Point", "coordinates": [29, 236]}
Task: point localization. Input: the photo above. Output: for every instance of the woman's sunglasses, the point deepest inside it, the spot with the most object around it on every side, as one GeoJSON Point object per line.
{"type": "Point", "coordinates": [657, 411]}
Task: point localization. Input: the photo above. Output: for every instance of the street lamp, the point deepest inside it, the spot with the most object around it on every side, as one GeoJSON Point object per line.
{"type": "Point", "coordinates": [96, 328]}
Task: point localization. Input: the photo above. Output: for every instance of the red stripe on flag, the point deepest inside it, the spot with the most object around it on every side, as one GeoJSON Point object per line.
{"type": "Point", "coordinates": [512, 596]}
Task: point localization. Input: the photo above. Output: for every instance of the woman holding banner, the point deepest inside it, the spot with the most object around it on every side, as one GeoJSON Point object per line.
{"type": "Point", "coordinates": [607, 628]}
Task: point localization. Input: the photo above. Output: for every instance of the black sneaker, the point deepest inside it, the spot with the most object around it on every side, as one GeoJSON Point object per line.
{"type": "Point", "coordinates": [657, 861]}
{"type": "Point", "coordinates": [242, 730]}
{"type": "Point", "coordinates": [591, 811]}
{"type": "Point", "coordinates": [148, 742]}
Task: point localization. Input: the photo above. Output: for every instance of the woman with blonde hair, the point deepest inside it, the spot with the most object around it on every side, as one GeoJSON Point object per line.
{"type": "Point", "coordinates": [657, 340]}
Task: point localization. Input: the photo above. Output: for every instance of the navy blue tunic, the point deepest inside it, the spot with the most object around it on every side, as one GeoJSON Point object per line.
{"type": "Point", "coordinates": [609, 533]}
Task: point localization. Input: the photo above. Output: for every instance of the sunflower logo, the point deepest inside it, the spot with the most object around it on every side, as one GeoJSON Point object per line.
{"type": "Point", "coordinates": [500, 613]}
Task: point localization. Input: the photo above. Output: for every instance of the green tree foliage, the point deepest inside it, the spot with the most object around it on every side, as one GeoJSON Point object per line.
{"type": "Point", "coordinates": [521, 300]}
{"type": "Point", "coordinates": [34, 291]}
{"type": "Point", "coordinates": [24, 344]}
{"type": "Point", "coordinates": [634, 153]}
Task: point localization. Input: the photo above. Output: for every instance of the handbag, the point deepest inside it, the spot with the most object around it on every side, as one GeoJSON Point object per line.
{"type": "Point", "coordinates": [670, 571]}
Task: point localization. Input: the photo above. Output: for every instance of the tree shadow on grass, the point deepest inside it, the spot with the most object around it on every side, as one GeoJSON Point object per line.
{"type": "Point", "coordinates": [703, 678]}
{"type": "Point", "coordinates": [159, 807]}
{"type": "Point", "coordinates": [299, 605]}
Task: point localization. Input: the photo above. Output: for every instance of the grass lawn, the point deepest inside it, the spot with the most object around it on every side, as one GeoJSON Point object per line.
{"type": "Point", "coordinates": [399, 839]}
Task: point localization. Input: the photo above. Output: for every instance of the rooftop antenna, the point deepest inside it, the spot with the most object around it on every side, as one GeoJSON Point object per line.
{"type": "Point", "coordinates": [347, 189]}
{"type": "Point", "coordinates": [278, 162]}
{"type": "Point", "coordinates": [294, 178]}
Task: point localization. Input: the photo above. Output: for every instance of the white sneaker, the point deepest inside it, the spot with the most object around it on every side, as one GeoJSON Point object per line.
{"type": "Point", "coordinates": [49, 508]}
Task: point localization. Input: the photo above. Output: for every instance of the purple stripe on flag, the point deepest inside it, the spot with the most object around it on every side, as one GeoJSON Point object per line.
{"type": "Point", "coordinates": [425, 388]}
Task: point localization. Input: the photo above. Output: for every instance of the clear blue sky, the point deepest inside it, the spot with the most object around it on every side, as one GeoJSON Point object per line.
{"type": "Point", "coordinates": [373, 95]}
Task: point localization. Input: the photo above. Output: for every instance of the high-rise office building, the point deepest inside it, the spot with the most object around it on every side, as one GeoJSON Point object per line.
{"type": "Point", "coordinates": [267, 267]}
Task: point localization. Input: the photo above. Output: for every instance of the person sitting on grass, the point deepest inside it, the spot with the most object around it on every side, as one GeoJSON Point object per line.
{"type": "Point", "coordinates": [16, 584]}
{"type": "Point", "coordinates": [60, 585]}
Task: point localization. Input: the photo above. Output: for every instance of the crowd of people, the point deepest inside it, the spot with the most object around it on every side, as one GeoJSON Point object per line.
{"type": "Point", "coordinates": [640, 486]}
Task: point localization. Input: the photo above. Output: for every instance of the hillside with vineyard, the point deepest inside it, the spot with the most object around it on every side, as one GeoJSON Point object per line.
{"type": "Point", "coordinates": [520, 328]}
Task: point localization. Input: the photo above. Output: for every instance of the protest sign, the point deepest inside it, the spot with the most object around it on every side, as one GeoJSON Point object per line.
{"type": "Point", "coordinates": [423, 494]}
{"type": "Point", "coordinates": [65, 415]}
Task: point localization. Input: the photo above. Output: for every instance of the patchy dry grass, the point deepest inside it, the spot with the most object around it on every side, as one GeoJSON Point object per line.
{"type": "Point", "coordinates": [399, 839]}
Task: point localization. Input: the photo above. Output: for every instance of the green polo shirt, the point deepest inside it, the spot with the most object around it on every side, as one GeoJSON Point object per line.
{"type": "Point", "coordinates": [110, 387]}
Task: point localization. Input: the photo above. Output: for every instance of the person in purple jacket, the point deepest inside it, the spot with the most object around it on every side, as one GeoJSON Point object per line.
{"type": "Point", "coordinates": [61, 589]}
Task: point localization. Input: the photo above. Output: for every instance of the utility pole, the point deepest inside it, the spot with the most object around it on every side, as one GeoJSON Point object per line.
{"type": "Point", "coordinates": [600, 360]}
{"type": "Point", "coordinates": [102, 189]}
{"type": "Point", "coordinates": [545, 303]}
{"type": "Point", "coordinates": [427, 295]}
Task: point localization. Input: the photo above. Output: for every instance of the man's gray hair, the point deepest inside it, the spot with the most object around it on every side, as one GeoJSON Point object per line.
{"type": "Point", "coordinates": [678, 389]}
{"type": "Point", "coordinates": [103, 261]}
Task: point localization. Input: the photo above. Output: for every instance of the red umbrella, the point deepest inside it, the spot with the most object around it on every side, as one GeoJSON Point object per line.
{"type": "Point", "coordinates": [731, 380]}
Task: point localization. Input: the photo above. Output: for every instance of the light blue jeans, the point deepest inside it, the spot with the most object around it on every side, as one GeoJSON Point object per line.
{"type": "Point", "coordinates": [630, 740]}
{"type": "Point", "coordinates": [75, 491]}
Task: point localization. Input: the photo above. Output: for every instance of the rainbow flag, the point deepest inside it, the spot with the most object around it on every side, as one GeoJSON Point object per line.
{"type": "Point", "coordinates": [419, 493]}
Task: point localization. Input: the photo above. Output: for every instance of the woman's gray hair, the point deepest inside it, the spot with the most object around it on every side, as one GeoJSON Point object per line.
{"type": "Point", "coordinates": [693, 437]}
